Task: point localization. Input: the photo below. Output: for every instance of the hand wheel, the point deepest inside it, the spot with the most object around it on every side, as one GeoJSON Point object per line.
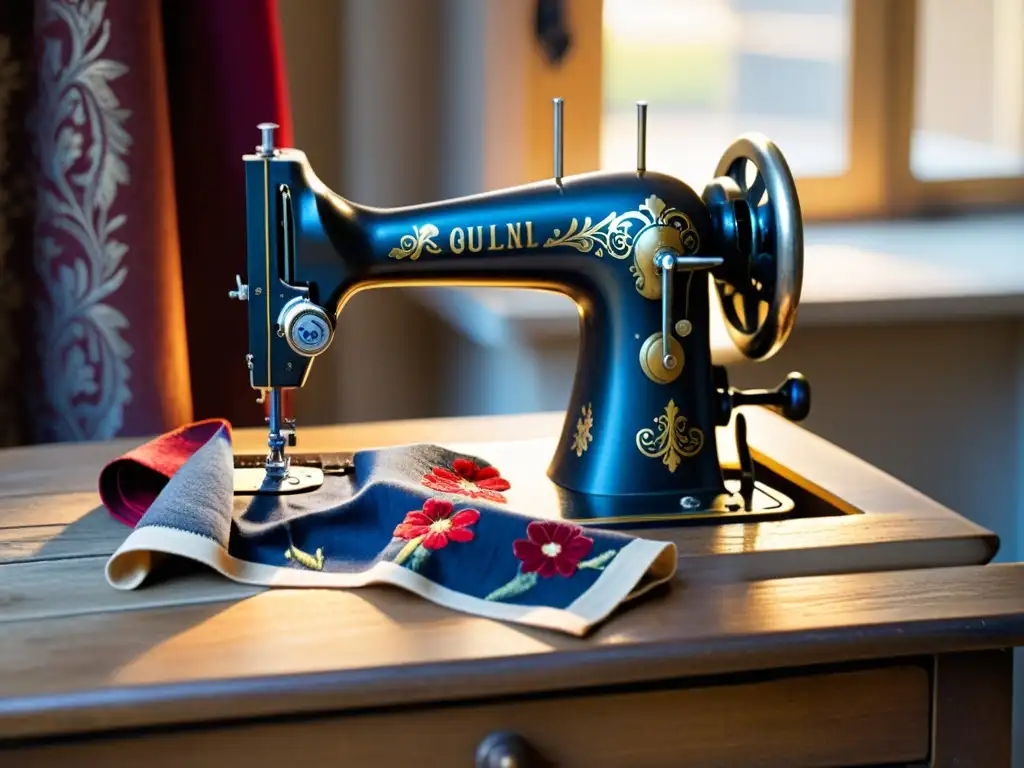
{"type": "Point", "coordinates": [756, 215]}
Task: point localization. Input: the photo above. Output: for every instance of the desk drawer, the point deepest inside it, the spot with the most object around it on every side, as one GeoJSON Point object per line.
{"type": "Point", "coordinates": [865, 717]}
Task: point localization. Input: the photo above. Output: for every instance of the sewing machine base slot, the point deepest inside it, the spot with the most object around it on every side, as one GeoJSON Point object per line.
{"type": "Point", "coordinates": [661, 511]}
{"type": "Point", "coordinates": [533, 489]}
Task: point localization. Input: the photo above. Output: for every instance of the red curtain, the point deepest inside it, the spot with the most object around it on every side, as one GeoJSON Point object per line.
{"type": "Point", "coordinates": [226, 75]}
{"type": "Point", "coordinates": [136, 113]}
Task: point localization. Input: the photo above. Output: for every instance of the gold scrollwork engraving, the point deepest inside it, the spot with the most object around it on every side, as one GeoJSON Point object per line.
{"type": "Point", "coordinates": [654, 224]}
{"type": "Point", "coordinates": [673, 440]}
{"type": "Point", "coordinates": [584, 425]}
{"type": "Point", "coordinates": [666, 227]}
{"type": "Point", "coordinates": [411, 246]}
{"type": "Point", "coordinates": [612, 233]}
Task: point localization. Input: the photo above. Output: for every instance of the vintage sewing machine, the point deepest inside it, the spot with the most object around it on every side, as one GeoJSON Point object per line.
{"type": "Point", "coordinates": [634, 250]}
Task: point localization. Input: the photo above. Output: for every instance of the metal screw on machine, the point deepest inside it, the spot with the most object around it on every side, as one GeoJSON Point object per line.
{"type": "Point", "coordinates": [241, 292]}
{"type": "Point", "coordinates": [266, 147]}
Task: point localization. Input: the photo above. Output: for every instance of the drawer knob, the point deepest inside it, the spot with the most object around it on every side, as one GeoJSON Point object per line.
{"type": "Point", "coordinates": [506, 750]}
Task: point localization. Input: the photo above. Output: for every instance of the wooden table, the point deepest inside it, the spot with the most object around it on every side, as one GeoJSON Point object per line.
{"type": "Point", "coordinates": [893, 651]}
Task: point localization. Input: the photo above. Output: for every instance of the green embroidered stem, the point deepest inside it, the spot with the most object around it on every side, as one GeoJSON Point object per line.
{"type": "Point", "coordinates": [419, 557]}
{"type": "Point", "coordinates": [521, 583]}
{"type": "Point", "coordinates": [598, 563]}
{"type": "Point", "coordinates": [408, 549]}
{"type": "Point", "coordinates": [304, 558]}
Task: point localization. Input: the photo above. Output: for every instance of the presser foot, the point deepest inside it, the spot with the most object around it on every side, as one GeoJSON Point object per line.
{"type": "Point", "coordinates": [276, 474]}
{"type": "Point", "coordinates": [250, 481]}
{"type": "Point", "coordinates": [305, 473]}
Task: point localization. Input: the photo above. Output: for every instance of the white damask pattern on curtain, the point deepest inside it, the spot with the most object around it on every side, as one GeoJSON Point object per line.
{"type": "Point", "coordinates": [82, 144]}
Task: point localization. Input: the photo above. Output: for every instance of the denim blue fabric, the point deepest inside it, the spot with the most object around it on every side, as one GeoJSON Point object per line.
{"type": "Point", "coordinates": [352, 520]}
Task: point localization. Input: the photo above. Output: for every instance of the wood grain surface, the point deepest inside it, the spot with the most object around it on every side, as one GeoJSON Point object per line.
{"type": "Point", "coordinates": [289, 651]}
{"type": "Point", "coordinates": [77, 656]}
{"type": "Point", "coordinates": [873, 716]}
{"type": "Point", "coordinates": [49, 509]}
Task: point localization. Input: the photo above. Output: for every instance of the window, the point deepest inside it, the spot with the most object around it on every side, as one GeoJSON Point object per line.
{"type": "Point", "coordinates": [969, 98]}
{"type": "Point", "coordinates": [882, 107]}
{"type": "Point", "coordinates": [716, 68]}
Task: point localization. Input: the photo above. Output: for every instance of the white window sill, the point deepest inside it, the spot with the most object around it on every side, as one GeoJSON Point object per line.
{"type": "Point", "coordinates": [854, 274]}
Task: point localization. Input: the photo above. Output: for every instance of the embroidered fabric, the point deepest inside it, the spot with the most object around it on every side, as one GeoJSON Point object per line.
{"type": "Point", "coordinates": [420, 517]}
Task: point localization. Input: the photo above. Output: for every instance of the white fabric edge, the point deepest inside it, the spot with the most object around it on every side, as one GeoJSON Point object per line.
{"type": "Point", "coordinates": [131, 564]}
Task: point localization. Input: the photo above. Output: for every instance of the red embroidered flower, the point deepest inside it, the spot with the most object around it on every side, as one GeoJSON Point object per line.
{"type": "Point", "coordinates": [552, 548]}
{"type": "Point", "coordinates": [465, 478]}
{"type": "Point", "coordinates": [437, 525]}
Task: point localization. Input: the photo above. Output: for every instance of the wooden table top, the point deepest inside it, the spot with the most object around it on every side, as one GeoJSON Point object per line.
{"type": "Point", "coordinates": [76, 655]}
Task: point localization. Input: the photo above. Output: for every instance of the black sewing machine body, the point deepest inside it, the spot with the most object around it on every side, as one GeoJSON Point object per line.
{"type": "Point", "coordinates": [639, 434]}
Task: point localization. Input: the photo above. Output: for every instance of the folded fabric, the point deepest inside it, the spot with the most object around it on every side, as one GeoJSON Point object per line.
{"type": "Point", "coordinates": [419, 517]}
{"type": "Point", "coordinates": [130, 484]}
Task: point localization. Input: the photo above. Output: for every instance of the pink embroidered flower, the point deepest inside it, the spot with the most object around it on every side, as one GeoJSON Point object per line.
{"type": "Point", "coordinates": [465, 478]}
{"type": "Point", "coordinates": [552, 548]}
{"type": "Point", "coordinates": [436, 524]}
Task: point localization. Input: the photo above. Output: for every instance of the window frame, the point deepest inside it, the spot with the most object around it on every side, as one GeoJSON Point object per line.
{"type": "Point", "coordinates": [878, 182]}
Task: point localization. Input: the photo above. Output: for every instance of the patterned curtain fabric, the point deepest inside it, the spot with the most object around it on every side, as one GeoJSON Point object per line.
{"type": "Point", "coordinates": [122, 210]}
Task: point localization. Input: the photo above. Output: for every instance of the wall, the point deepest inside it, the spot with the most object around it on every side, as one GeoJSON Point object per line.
{"type": "Point", "coordinates": [367, 104]}
{"type": "Point", "coordinates": [956, 67]}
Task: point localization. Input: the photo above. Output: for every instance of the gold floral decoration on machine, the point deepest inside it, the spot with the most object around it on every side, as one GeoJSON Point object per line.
{"type": "Point", "coordinates": [584, 424]}
{"type": "Point", "coordinates": [657, 223]}
{"type": "Point", "coordinates": [411, 246]}
{"type": "Point", "coordinates": [673, 440]}
{"type": "Point", "coordinates": [612, 235]}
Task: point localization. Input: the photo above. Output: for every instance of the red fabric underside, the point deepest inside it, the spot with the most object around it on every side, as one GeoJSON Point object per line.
{"type": "Point", "coordinates": [130, 483]}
